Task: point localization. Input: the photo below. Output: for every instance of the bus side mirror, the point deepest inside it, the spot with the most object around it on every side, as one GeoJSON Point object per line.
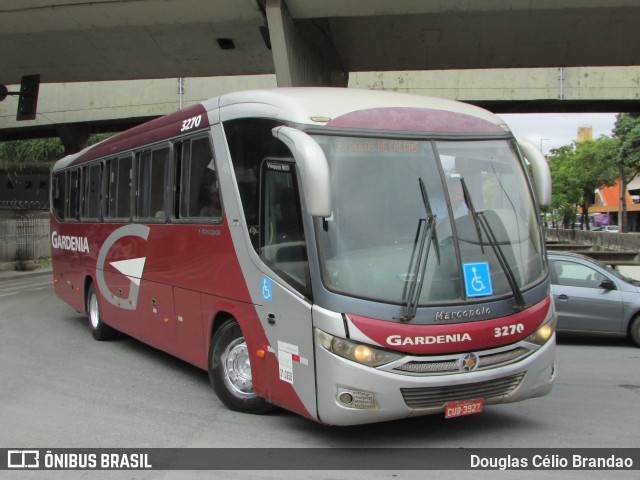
{"type": "Point", "coordinates": [540, 169]}
{"type": "Point", "coordinates": [313, 169]}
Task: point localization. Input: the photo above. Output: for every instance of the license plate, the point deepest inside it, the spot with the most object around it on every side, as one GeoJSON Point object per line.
{"type": "Point", "coordinates": [463, 407]}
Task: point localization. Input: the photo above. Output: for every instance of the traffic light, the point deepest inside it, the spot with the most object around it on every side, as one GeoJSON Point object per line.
{"type": "Point", "coordinates": [28, 99]}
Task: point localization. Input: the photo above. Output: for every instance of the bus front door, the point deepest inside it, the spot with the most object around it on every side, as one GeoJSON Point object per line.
{"type": "Point", "coordinates": [286, 288]}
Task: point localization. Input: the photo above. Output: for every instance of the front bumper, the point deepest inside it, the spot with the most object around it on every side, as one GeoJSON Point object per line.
{"type": "Point", "coordinates": [388, 395]}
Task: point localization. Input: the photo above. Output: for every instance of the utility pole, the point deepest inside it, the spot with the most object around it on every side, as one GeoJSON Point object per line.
{"type": "Point", "coordinates": [180, 90]}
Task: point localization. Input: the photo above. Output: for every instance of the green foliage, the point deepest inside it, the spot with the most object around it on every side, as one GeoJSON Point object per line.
{"type": "Point", "coordinates": [97, 137]}
{"type": "Point", "coordinates": [577, 170]}
{"type": "Point", "coordinates": [566, 193]}
{"type": "Point", "coordinates": [627, 131]}
{"type": "Point", "coordinates": [18, 154]}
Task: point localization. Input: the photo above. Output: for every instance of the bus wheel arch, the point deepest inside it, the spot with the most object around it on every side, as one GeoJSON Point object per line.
{"type": "Point", "coordinates": [230, 370]}
{"type": "Point", "coordinates": [88, 281]}
{"type": "Point", "coordinates": [99, 330]}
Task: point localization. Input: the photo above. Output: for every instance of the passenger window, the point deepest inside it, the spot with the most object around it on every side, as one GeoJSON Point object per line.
{"type": "Point", "coordinates": [58, 194]}
{"type": "Point", "coordinates": [91, 194]}
{"type": "Point", "coordinates": [119, 178]}
{"type": "Point", "coordinates": [199, 187]}
{"type": "Point", "coordinates": [572, 274]}
{"type": "Point", "coordinates": [282, 241]}
{"type": "Point", "coordinates": [153, 184]}
{"type": "Point", "coordinates": [250, 141]}
{"type": "Point", "coordinates": [73, 200]}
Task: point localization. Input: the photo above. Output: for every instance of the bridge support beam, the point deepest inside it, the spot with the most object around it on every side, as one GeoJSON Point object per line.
{"type": "Point", "coordinates": [73, 136]}
{"type": "Point", "coordinates": [303, 53]}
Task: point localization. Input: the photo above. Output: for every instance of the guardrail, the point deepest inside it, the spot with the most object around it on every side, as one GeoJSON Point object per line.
{"type": "Point", "coordinates": [23, 205]}
{"type": "Point", "coordinates": [605, 256]}
{"type": "Point", "coordinates": [589, 240]}
{"type": "Point", "coordinates": [610, 248]}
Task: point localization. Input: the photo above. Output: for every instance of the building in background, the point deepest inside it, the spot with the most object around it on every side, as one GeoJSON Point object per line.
{"type": "Point", "coordinates": [585, 133]}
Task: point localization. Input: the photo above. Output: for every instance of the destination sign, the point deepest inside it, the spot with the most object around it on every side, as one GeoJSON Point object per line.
{"type": "Point", "coordinates": [376, 146]}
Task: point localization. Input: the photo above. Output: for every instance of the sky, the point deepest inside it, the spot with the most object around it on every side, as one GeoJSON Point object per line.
{"type": "Point", "coordinates": [553, 130]}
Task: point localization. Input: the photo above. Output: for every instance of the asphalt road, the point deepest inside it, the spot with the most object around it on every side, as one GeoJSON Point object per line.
{"type": "Point", "coordinates": [60, 388]}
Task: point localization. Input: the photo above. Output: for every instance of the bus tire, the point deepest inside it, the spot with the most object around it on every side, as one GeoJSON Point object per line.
{"type": "Point", "coordinates": [634, 330]}
{"type": "Point", "coordinates": [230, 371]}
{"type": "Point", "coordinates": [99, 329]}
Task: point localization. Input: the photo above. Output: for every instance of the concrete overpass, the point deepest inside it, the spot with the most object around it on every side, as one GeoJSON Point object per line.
{"type": "Point", "coordinates": [307, 42]}
{"type": "Point", "coordinates": [414, 45]}
{"type": "Point", "coordinates": [73, 110]}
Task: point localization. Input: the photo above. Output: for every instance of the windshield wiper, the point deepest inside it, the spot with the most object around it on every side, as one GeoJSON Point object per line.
{"type": "Point", "coordinates": [474, 215]}
{"type": "Point", "coordinates": [480, 220]}
{"type": "Point", "coordinates": [426, 234]}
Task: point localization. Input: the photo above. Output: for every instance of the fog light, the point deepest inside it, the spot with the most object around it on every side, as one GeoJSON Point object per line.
{"type": "Point", "coordinates": [357, 399]}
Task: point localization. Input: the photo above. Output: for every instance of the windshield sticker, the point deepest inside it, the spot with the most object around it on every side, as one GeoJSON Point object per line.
{"type": "Point", "coordinates": [477, 279]}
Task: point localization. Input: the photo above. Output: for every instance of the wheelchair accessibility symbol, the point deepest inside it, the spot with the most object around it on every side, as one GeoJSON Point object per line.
{"type": "Point", "coordinates": [477, 279]}
{"type": "Point", "coordinates": [267, 293]}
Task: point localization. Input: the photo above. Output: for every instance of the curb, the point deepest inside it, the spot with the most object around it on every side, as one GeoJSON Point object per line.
{"type": "Point", "coordinates": [14, 275]}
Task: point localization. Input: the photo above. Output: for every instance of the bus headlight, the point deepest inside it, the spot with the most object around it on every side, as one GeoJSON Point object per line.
{"type": "Point", "coordinates": [544, 332]}
{"type": "Point", "coordinates": [356, 352]}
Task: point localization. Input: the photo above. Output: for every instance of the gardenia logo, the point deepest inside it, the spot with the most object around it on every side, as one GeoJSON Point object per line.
{"type": "Point", "coordinates": [68, 242]}
{"type": "Point", "coordinates": [429, 339]}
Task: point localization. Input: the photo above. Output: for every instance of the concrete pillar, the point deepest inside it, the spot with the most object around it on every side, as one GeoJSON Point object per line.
{"type": "Point", "coordinates": [73, 136]}
{"type": "Point", "coordinates": [303, 53]}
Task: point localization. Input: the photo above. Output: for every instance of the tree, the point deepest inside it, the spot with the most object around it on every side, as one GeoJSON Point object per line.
{"type": "Point", "coordinates": [577, 170]}
{"type": "Point", "coordinates": [594, 165]}
{"type": "Point", "coordinates": [18, 154]}
{"type": "Point", "coordinates": [627, 131]}
{"type": "Point", "coordinates": [566, 194]}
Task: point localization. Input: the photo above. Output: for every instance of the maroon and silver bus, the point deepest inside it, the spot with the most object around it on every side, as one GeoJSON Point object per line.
{"type": "Point", "coordinates": [351, 256]}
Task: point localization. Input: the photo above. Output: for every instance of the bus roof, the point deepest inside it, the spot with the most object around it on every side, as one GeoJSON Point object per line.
{"type": "Point", "coordinates": [336, 107]}
{"type": "Point", "coordinates": [318, 105]}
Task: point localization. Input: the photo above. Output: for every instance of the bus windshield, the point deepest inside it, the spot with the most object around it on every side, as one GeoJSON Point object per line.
{"type": "Point", "coordinates": [475, 200]}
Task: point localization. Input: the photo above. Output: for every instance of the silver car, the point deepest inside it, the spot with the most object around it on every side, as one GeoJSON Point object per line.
{"type": "Point", "coordinates": [591, 297]}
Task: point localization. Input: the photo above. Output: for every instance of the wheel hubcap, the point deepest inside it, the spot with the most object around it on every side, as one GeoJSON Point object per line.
{"type": "Point", "coordinates": [237, 368]}
{"type": "Point", "coordinates": [94, 312]}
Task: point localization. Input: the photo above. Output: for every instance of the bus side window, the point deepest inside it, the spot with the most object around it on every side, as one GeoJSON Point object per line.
{"type": "Point", "coordinates": [73, 200]}
{"type": "Point", "coordinates": [144, 189]}
{"type": "Point", "coordinates": [124, 186]}
{"type": "Point", "coordinates": [199, 188]}
{"type": "Point", "coordinates": [250, 141]}
{"type": "Point", "coordinates": [118, 188]}
{"type": "Point", "coordinates": [58, 189]}
{"type": "Point", "coordinates": [91, 192]}
{"type": "Point", "coordinates": [153, 184]}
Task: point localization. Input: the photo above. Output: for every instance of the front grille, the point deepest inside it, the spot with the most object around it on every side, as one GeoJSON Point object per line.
{"type": "Point", "coordinates": [442, 366]}
{"type": "Point", "coordinates": [429, 397]}
{"type": "Point", "coordinates": [501, 358]}
{"type": "Point", "coordinates": [430, 366]}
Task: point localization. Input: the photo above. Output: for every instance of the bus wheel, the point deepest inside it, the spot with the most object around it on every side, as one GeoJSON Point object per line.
{"type": "Point", "coordinates": [99, 329]}
{"type": "Point", "coordinates": [635, 330]}
{"type": "Point", "coordinates": [230, 371]}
